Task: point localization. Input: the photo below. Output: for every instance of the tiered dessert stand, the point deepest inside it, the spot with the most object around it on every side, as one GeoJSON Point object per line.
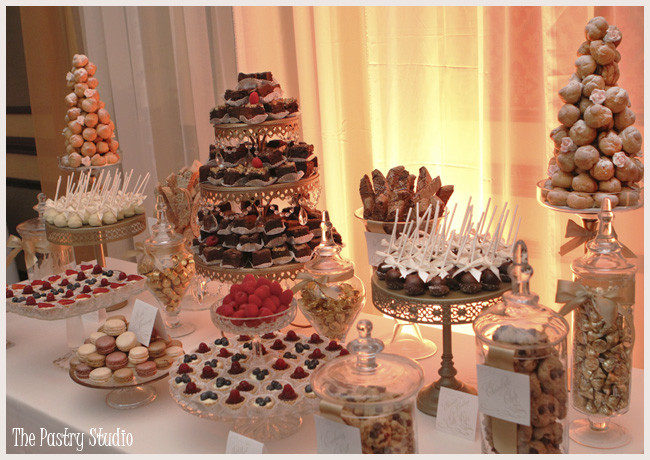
{"type": "Point", "coordinates": [455, 308]}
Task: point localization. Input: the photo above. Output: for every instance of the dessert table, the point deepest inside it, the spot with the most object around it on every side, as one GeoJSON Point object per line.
{"type": "Point", "coordinates": [41, 396]}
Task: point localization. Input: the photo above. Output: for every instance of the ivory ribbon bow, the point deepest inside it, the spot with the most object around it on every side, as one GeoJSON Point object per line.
{"type": "Point", "coordinates": [139, 252]}
{"type": "Point", "coordinates": [580, 235]}
{"type": "Point", "coordinates": [321, 282]}
{"type": "Point", "coordinates": [607, 304]}
{"type": "Point", "coordinates": [28, 247]}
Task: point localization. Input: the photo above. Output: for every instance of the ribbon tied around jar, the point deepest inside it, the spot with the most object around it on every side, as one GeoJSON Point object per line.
{"type": "Point", "coordinates": [28, 247]}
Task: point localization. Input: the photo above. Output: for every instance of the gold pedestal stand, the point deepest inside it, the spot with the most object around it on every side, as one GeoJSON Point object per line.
{"type": "Point", "coordinates": [455, 308]}
{"type": "Point", "coordinates": [286, 129]}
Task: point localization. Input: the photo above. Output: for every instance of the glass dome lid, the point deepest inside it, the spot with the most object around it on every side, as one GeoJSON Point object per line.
{"type": "Point", "coordinates": [327, 260]}
{"type": "Point", "coordinates": [162, 232]}
{"type": "Point", "coordinates": [367, 376]}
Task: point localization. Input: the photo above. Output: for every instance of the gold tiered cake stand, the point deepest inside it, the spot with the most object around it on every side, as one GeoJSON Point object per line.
{"type": "Point", "coordinates": [286, 129]}
{"type": "Point", "coordinates": [455, 308]}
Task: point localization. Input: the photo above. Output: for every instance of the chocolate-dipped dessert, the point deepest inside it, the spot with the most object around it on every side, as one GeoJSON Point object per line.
{"type": "Point", "coordinates": [413, 284]}
{"type": "Point", "coordinates": [382, 269]}
{"type": "Point", "coordinates": [468, 284]}
{"type": "Point", "coordinates": [489, 280]}
{"type": "Point", "coordinates": [438, 286]}
{"type": "Point", "coordinates": [394, 279]}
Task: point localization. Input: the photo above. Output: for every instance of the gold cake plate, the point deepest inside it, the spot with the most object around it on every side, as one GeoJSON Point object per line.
{"type": "Point", "coordinates": [236, 275]}
{"type": "Point", "coordinates": [286, 129]}
{"type": "Point", "coordinates": [455, 308]}
{"type": "Point", "coordinates": [87, 235]}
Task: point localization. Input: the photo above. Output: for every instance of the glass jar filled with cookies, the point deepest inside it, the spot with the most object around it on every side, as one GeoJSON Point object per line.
{"type": "Point", "coordinates": [372, 391]}
{"type": "Point", "coordinates": [169, 267]}
{"type": "Point", "coordinates": [520, 335]}
{"type": "Point", "coordinates": [602, 299]}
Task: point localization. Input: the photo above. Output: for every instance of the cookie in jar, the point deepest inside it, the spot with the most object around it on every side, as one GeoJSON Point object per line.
{"type": "Point", "coordinates": [519, 335]}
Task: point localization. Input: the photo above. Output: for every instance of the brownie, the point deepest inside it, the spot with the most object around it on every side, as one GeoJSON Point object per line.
{"type": "Point", "coordinates": [233, 258]}
{"type": "Point", "coordinates": [257, 174]}
{"type": "Point", "coordinates": [313, 243]}
{"type": "Point", "coordinates": [298, 231]}
{"type": "Point", "coordinates": [275, 106]}
{"type": "Point", "coordinates": [231, 240]}
{"type": "Point", "coordinates": [258, 75]}
{"type": "Point", "coordinates": [336, 236]}
{"type": "Point", "coordinates": [234, 155]}
{"type": "Point", "coordinates": [251, 110]}
{"type": "Point", "coordinates": [253, 238]}
{"type": "Point", "coordinates": [224, 206]}
{"type": "Point", "coordinates": [314, 213]}
{"type": "Point", "coordinates": [209, 223]}
{"type": "Point", "coordinates": [300, 150]}
{"type": "Point", "coordinates": [235, 95]}
{"type": "Point", "coordinates": [266, 89]}
{"type": "Point", "coordinates": [281, 254]}
{"type": "Point", "coordinates": [271, 157]}
{"type": "Point", "coordinates": [273, 222]}
{"type": "Point", "coordinates": [261, 258]}
{"type": "Point", "coordinates": [277, 144]}
{"type": "Point", "coordinates": [291, 105]}
{"type": "Point", "coordinates": [224, 227]}
{"type": "Point", "coordinates": [271, 241]}
{"type": "Point", "coordinates": [306, 167]}
{"type": "Point", "coordinates": [204, 172]}
{"type": "Point", "coordinates": [218, 112]}
{"type": "Point", "coordinates": [288, 167]}
{"type": "Point", "coordinates": [313, 224]}
{"type": "Point", "coordinates": [213, 254]}
{"type": "Point", "coordinates": [232, 175]}
{"type": "Point", "coordinates": [203, 234]}
{"type": "Point", "coordinates": [301, 250]}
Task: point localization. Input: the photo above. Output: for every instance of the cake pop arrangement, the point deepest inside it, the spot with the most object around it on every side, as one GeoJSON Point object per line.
{"type": "Point", "coordinates": [89, 132]}
{"type": "Point", "coordinates": [441, 260]}
{"type": "Point", "coordinates": [106, 202]}
{"type": "Point", "coordinates": [597, 150]}
{"type": "Point", "coordinates": [256, 98]}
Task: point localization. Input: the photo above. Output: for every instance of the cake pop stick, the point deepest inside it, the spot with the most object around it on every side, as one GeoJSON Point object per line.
{"type": "Point", "coordinates": [512, 223]}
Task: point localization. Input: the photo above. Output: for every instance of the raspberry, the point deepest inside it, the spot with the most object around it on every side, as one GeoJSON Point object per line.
{"type": "Point", "coordinates": [104, 282]}
{"type": "Point", "coordinates": [261, 281]}
{"type": "Point", "coordinates": [86, 289]}
{"type": "Point", "coordinates": [46, 286]}
{"type": "Point", "coordinates": [316, 354]}
{"type": "Point", "coordinates": [81, 276]}
{"type": "Point", "coordinates": [97, 269]}
{"type": "Point", "coordinates": [286, 297]}
{"type": "Point", "coordinates": [256, 162]}
{"type": "Point", "coordinates": [28, 289]}
{"type": "Point", "coordinates": [65, 282]}
{"type": "Point", "coordinates": [226, 310]}
{"type": "Point", "coordinates": [241, 297]}
{"type": "Point", "coordinates": [234, 397]}
{"type": "Point", "coordinates": [253, 322]}
{"type": "Point", "coordinates": [249, 287]}
{"type": "Point", "coordinates": [238, 314]}
{"type": "Point", "coordinates": [276, 289]}
{"type": "Point", "coordinates": [254, 98]}
{"type": "Point", "coordinates": [30, 301]}
{"type": "Point", "coordinates": [278, 345]}
{"type": "Point", "coordinates": [299, 373]}
{"type": "Point", "coordinates": [251, 310]}
{"type": "Point", "coordinates": [333, 346]}
{"type": "Point", "coordinates": [315, 338]}
{"type": "Point", "coordinates": [249, 278]}
{"type": "Point", "coordinates": [280, 364]}
{"type": "Point", "coordinates": [69, 293]}
{"type": "Point", "coordinates": [344, 352]}
{"type": "Point", "coordinates": [269, 305]}
{"type": "Point", "coordinates": [224, 353]}
{"type": "Point", "coordinates": [275, 300]}
{"type": "Point", "coordinates": [265, 312]}
{"type": "Point", "coordinates": [121, 276]}
{"type": "Point", "coordinates": [49, 297]}
{"type": "Point", "coordinates": [288, 393]}
{"type": "Point", "coordinates": [263, 292]}
{"type": "Point", "coordinates": [211, 240]}
{"type": "Point", "coordinates": [291, 336]}
{"type": "Point", "coordinates": [244, 386]}
{"type": "Point", "coordinates": [191, 388]}
{"type": "Point", "coordinates": [10, 293]}
{"type": "Point", "coordinates": [208, 373]}
{"type": "Point", "coordinates": [203, 348]}
{"type": "Point", "coordinates": [184, 368]}
{"type": "Point", "coordinates": [255, 300]}
{"type": "Point", "coordinates": [235, 288]}
{"type": "Point", "coordinates": [229, 298]}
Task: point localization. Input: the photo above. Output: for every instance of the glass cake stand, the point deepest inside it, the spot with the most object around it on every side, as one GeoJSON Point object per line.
{"type": "Point", "coordinates": [455, 308]}
{"type": "Point", "coordinates": [128, 395]}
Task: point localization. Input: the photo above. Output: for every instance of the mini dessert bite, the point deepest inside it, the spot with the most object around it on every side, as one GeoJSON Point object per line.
{"type": "Point", "coordinates": [95, 360]}
{"type": "Point", "coordinates": [245, 386]}
{"type": "Point", "coordinates": [100, 376]}
{"type": "Point", "coordinates": [259, 374]}
{"type": "Point", "coordinates": [222, 384]}
{"type": "Point", "coordinates": [288, 394]}
{"type": "Point", "coordinates": [182, 380]}
{"type": "Point", "coordinates": [117, 360]}
{"type": "Point", "coordinates": [123, 375]}
{"type": "Point", "coordinates": [265, 402]}
{"type": "Point", "coordinates": [146, 369]}
{"type": "Point", "coordinates": [105, 345]}
{"type": "Point", "coordinates": [208, 398]}
{"type": "Point", "coordinates": [235, 400]}
{"type": "Point", "coordinates": [280, 365]}
{"type": "Point", "coordinates": [83, 371]}
{"type": "Point", "coordinates": [207, 373]}
{"type": "Point", "coordinates": [191, 388]}
{"type": "Point", "coordinates": [184, 368]}
{"type": "Point", "coordinates": [138, 355]}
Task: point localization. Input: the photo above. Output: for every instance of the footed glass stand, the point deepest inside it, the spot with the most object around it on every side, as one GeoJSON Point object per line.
{"type": "Point", "coordinates": [406, 340]}
{"type": "Point", "coordinates": [602, 434]}
{"type": "Point", "coordinates": [175, 328]}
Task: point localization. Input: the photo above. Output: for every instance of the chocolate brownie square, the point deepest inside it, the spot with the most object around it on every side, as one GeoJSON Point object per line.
{"type": "Point", "coordinates": [275, 106]}
{"type": "Point", "coordinates": [232, 175]}
{"type": "Point", "coordinates": [300, 150]}
{"type": "Point", "coordinates": [266, 89]}
{"type": "Point", "coordinates": [258, 174]}
{"type": "Point", "coordinates": [277, 144]}
{"type": "Point", "coordinates": [218, 112]}
{"type": "Point", "coordinates": [213, 254]}
{"type": "Point", "coordinates": [209, 223]}
{"type": "Point", "coordinates": [250, 243]}
{"type": "Point", "coordinates": [271, 241]}
{"type": "Point", "coordinates": [291, 105]}
{"type": "Point", "coordinates": [258, 75]}
{"type": "Point", "coordinates": [235, 95]}
{"type": "Point", "coordinates": [271, 157]}
{"type": "Point", "coordinates": [251, 110]}
{"type": "Point", "coordinates": [307, 167]}
{"type": "Point", "coordinates": [288, 167]}
{"type": "Point", "coordinates": [231, 240]}
{"type": "Point", "coordinates": [233, 258]}
{"type": "Point", "coordinates": [273, 224]}
{"type": "Point", "coordinates": [261, 258]}
{"type": "Point", "coordinates": [301, 252]}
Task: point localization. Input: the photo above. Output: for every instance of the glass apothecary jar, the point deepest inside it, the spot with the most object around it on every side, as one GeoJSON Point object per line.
{"type": "Point", "coordinates": [169, 267]}
{"type": "Point", "coordinates": [330, 295]}
{"type": "Point", "coordinates": [42, 258]}
{"type": "Point", "coordinates": [520, 335]}
{"type": "Point", "coordinates": [373, 391]}
{"type": "Point", "coordinates": [602, 300]}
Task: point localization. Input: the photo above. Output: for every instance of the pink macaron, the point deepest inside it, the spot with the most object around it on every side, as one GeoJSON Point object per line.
{"type": "Point", "coordinates": [146, 369]}
{"type": "Point", "coordinates": [105, 345]}
{"type": "Point", "coordinates": [117, 360]}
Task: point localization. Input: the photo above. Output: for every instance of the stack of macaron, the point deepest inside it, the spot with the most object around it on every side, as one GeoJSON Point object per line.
{"type": "Point", "coordinates": [114, 355]}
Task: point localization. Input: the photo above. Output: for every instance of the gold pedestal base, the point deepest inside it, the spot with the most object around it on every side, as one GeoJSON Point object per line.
{"type": "Point", "coordinates": [427, 400]}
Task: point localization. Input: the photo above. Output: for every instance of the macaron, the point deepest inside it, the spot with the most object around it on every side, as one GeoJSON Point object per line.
{"type": "Point", "coordinates": [138, 355]}
{"type": "Point", "coordinates": [126, 341]}
{"type": "Point", "coordinates": [120, 317]}
{"type": "Point", "coordinates": [83, 371]}
{"type": "Point", "coordinates": [116, 360]}
{"type": "Point", "coordinates": [95, 335]}
{"type": "Point", "coordinates": [163, 362]}
{"type": "Point", "coordinates": [146, 369]}
{"type": "Point", "coordinates": [84, 350]}
{"type": "Point", "coordinates": [114, 327]}
{"type": "Point", "coordinates": [174, 343]}
{"type": "Point", "coordinates": [174, 351]}
{"type": "Point", "coordinates": [105, 345]}
{"type": "Point", "coordinates": [95, 360]}
{"type": "Point", "coordinates": [100, 375]}
{"type": "Point", "coordinates": [157, 349]}
{"type": "Point", "coordinates": [124, 375]}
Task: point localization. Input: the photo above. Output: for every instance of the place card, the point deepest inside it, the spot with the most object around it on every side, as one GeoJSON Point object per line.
{"type": "Point", "coordinates": [457, 413]}
{"type": "Point", "coordinates": [373, 244]}
{"type": "Point", "coordinates": [504, 394]}
{"type": "Point", "coordinates": [144, 319]}
{"type": "Point", "coordinates": [336, 438]}
{"type": "Point", "coordinates": [240, 444]}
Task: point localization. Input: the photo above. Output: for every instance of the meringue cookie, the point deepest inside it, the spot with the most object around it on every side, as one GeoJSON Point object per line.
{"type": "Point", "coordinates": [60, 220]}
{"type": "Point", "coordinates": [74, 221]}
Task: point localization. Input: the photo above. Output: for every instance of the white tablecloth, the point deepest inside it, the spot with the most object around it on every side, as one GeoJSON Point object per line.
{"type": "Point", "coordinates": [42, 396]}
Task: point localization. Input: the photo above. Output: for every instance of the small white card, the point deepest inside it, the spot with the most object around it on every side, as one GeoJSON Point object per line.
{"type": "Point", "coordinates": [457, 413]}
{"type": "Point", "coordinates": [373, 244]}
{"type": "Point", "coordinates": [336, 438]}
{"type": "Point", "coordinates": [504, 394]}
{"type": "Point", "coordinates": [144, 319]}
{"type": "Point", "coordinates": [240, 444]}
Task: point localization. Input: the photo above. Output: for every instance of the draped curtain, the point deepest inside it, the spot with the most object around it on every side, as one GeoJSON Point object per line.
{"type": "Point", "coordinates": [468, 91]}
